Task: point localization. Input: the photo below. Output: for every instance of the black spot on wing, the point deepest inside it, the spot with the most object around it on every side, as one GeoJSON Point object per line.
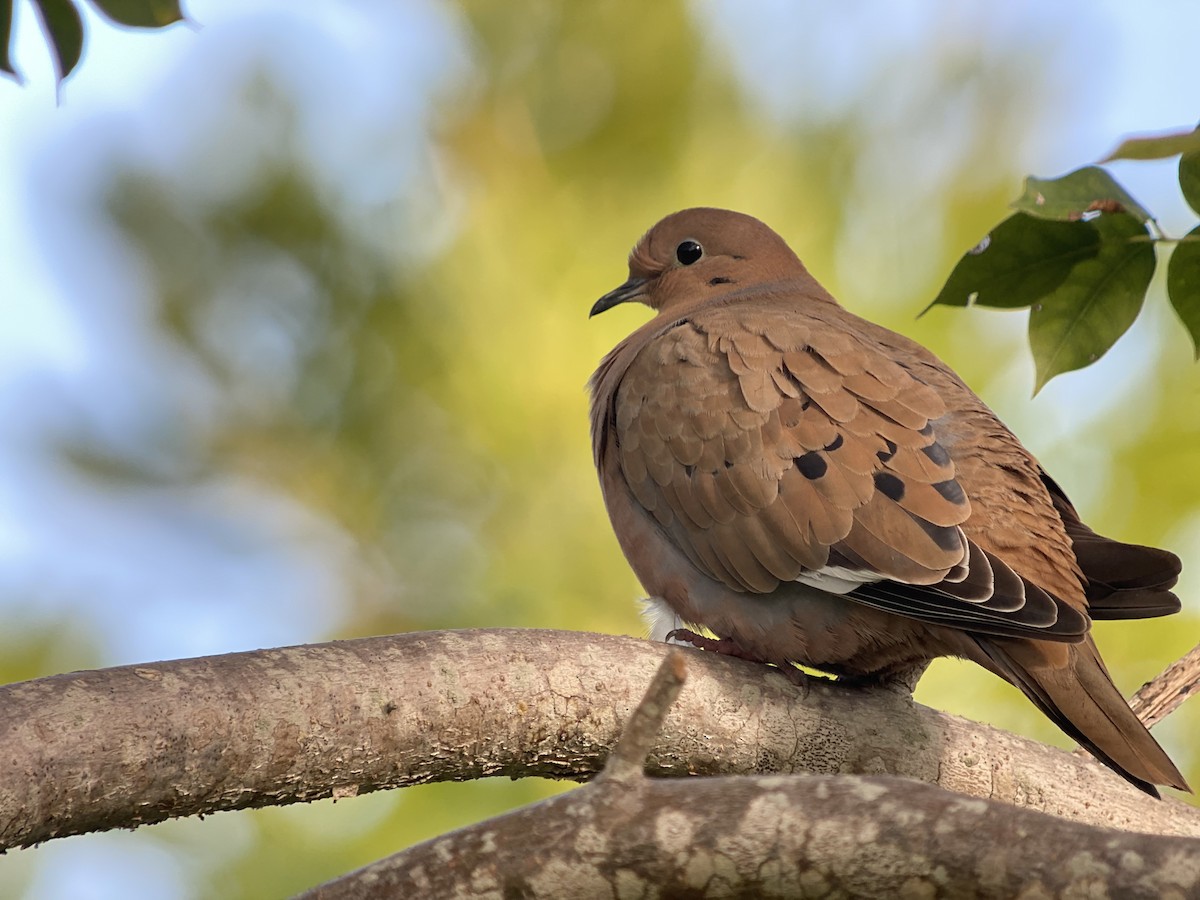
{"type": "Point", "coordinates": [812, 465]}
{"type": "Point", "coordinates": [889, 485]}
{"type": "Point", "coordinates": [952, 491]}
{"type": "Point", "coordinates": [937, 454]}
{"type": "Point", "coordinates": [947, 537]}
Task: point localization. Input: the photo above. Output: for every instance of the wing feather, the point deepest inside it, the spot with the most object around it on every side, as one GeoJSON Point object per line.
{"type": "Point", "coordinates": [772, 452]}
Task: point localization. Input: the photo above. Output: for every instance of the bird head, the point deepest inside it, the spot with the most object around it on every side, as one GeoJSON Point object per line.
{"type": "Point", "coordinates": [699, 253]}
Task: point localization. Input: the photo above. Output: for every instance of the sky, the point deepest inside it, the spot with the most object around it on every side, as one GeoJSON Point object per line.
{"type": "Point", "coordinates": [1134, 68]}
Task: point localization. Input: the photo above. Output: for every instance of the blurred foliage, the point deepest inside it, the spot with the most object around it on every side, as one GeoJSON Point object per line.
{"type": "Point", "coordinates": [414, 370]}
{"type": "Point", "coordinates": [63, 26]}
{"type": "Point", "coordinates": [331, 365]}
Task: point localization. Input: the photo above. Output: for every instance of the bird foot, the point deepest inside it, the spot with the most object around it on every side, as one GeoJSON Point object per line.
{"type": "Point", "coordinates": [730, 647]}
{"type": "Point", "coordinates": [724, 646]}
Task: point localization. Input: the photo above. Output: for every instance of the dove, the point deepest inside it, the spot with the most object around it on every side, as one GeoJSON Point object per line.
{"type": "Point", "coordinates": [816, 490]}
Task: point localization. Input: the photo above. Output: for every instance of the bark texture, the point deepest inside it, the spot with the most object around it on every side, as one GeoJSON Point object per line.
{"type": "Point", "coordinates": [1157, 699]}
{"type": "Point", "coordinates": [121, 747]}
{"type": "Point", "coordinates": [777, 836]}
{"type": "Point", "coordinates": [770, 836]}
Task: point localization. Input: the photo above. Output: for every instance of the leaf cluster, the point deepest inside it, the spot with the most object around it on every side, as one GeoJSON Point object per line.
{"type": "Point", "coordinates": [1079, 254]}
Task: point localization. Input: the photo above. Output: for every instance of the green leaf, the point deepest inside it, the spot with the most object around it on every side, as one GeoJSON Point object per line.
{"type": "Point", "coordinates": [6, 15]}
{"type": "Point", "coordinates": [1189, 179]}
{"type": "Point", "coordinates": [1077, 324]}
{"type": "Point", "coordinates": [1074, 195]}
{"type": "Point", "coordinates": [1183, 284]}
{"type": "Point", "coordinates": [1159, 146]}
{"type": "Point", "coordinates": [140, 13]}
{"type": "Point", "coordinates": [1023, 260]}
{"type": "Point", "coordinates": [64, 31]}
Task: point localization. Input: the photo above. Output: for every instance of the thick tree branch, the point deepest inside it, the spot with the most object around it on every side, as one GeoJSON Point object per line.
{"type": "Point", "coordinates": [138, 744]}
{"type": "Point", "coordinates": [624, 835]}
{"type": "Point", "coordinates": [778, 836]}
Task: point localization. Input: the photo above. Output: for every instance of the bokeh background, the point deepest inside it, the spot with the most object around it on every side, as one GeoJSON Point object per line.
{"type": "Point", "coordinates": [294, 337]}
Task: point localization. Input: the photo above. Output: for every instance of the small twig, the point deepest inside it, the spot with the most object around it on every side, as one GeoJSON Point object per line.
{"type": "Point", "coordinates": [627, 762]}
{"type": "Point", "coordinates": [1161, 696]}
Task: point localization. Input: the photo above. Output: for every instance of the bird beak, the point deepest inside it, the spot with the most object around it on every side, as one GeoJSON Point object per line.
{"type": "Point", "coordinates": [633, 289]}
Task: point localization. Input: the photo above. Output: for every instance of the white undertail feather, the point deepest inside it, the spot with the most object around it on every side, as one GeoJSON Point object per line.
{"type": "Point", "coordinates": [661, 619]}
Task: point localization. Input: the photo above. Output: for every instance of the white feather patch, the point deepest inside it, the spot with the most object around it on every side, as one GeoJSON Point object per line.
{"type": "Point", "coordinates": [661, 619]}
{"type": "Point", "coordinates": [838, 579]}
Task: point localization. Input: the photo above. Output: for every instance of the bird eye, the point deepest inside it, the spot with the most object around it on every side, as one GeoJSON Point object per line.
{"type": "Point", "coordinates": [688, 252]}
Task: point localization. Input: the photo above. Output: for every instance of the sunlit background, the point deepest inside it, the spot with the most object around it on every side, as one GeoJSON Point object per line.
{"type": "Point", "coordinates": [294, 337]}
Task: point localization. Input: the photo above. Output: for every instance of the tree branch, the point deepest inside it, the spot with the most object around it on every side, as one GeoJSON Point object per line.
{"type": "Point", "coordinates": [797, 836]}
{"type": "Point", "coordinates": [133, 745]}
{"type": "Point", "coordinates": [624, 835]}
{"type": "Point", "coordinates": [627, 762]}
{"type": "Point", "coordinates": [1158, 698]}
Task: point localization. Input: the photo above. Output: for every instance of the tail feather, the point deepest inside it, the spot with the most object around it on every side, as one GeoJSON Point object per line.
{"type": "Point", "coordinates": [1126, 604]}
{"type": "Point", "coordinates": [1126, 581]}
{"type": "Point", "coordinates": [1081, 699]}
{"type": "Point", "coordinates": [1123, 581]}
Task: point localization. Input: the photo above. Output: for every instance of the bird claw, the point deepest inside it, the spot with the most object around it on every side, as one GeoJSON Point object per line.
{"type": "Point", "coordinates": [724, 646]}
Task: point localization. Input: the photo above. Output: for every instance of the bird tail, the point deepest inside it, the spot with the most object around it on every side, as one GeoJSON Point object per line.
{"type": "Point", "coordinates": [1123, 581]}
{"type": "Point", "coordinates": [1081, 699]}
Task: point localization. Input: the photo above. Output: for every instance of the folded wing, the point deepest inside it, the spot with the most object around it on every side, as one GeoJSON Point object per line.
{"type": "Point", "coordinates": [769, 450]}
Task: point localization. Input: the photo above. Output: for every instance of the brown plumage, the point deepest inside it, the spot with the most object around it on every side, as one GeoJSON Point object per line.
{"type": "Point", "coordinates": [816, 489]}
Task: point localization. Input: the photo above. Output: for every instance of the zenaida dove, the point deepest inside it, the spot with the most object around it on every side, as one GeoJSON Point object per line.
{"type": "Point", "coordinates": [815, 489]}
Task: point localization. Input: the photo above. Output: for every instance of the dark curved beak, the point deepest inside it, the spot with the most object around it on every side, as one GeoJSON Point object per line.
{"type": "Point", "coordinates": [630, 290]}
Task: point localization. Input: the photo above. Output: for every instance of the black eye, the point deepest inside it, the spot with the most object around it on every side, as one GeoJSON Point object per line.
{"type": "Point", "coordinates": [688, 252]}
